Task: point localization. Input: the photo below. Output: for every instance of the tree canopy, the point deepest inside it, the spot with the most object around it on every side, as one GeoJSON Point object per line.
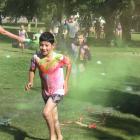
{"type": "Point", "coordinates": [111, 10]}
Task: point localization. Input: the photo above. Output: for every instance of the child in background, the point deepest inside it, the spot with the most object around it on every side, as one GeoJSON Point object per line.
{"type": "Point", "coordinates": [65, 30]}
{"type": "Point", "coordinates": [119, 31]}
{"type": "Point", "coordinates": [54, 83]}
{"type": "Point", "coordinates": [81, 52]}
{"type": "Point", "coordinates": [81, 55]}
{"type": "Point", "coordinates": [23, 34]}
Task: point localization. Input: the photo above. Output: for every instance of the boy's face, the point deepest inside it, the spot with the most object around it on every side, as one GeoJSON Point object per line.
{"type": "Point", "coordinates": [80, 39]}
{"type": "Point", "coordinates": [46, 47]}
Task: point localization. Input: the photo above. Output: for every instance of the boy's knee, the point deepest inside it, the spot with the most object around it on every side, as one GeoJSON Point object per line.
{"type": "Point", "coordinates": [46, 114]}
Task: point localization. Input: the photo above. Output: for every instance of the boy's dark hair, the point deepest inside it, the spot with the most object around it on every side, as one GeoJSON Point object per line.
{"type": "Point", "coordinates": [47, 36]}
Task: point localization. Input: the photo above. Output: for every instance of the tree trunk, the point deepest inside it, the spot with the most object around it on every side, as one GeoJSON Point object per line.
{"type": "Point", "coordinates": [109, 29]}
{"type": "Point", "coordinates": [126, 26]}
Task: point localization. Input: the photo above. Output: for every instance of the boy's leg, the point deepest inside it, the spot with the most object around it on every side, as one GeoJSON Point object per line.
{"type": "Point", "coordinates": [56, 123]}
{"type": "Point", "coordinates": [48, 115]}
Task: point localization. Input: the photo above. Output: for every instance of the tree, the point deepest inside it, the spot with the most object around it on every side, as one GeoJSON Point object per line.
{"type": "Point", "coordinates": [111, 10]}
{"type": "Point", "coordinates": [17, 8]}
{"type": "Point", "coordinates": [117, 10]}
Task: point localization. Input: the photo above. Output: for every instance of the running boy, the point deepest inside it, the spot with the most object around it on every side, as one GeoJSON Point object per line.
{"type": "Point", "coordinates": [54, 85]}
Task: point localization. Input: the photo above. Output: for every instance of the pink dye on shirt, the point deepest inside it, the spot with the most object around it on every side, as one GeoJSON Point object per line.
{"type": "Point", "coordinates": [51, 74]}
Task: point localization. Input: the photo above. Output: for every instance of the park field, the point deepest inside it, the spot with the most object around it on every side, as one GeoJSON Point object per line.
{"type": "Point", "coordinates": [107, 95]}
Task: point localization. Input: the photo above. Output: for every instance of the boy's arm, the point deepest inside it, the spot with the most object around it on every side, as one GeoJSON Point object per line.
{"type": "Point", "coordinates": [11, 35]}
{"type": "Point", "coordinates": [67, 75]}
{"type": "Point", "coordinates": [30, 81]}
{"type": "Point", "coordinates": [68, 69]}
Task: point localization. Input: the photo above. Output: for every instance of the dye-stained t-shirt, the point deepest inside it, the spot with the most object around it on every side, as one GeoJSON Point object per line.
{"type": "Point", "coordinates": [51, 72]}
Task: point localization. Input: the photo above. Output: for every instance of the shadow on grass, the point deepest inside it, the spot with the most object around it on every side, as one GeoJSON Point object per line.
{"type": "Point", "coordinates": [124, 102]}
{"type": "Point", "coordinates": [101, 135]}
{"type": "Point", "coordinates": [121, 100]}
{"type": "Point", "coordinates": [17, 133]}
{"type": "Point", "coordinates": [129, 125]}
{"type": "Point", "coordinates": [133, 82]}
{"type": "Point", "coordinates": [85, 133]}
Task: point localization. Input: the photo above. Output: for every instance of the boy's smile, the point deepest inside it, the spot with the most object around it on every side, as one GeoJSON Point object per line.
{"type": "Point", "coordinates": [46, 47]}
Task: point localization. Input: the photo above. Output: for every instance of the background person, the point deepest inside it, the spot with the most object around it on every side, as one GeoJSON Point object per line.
{"type": "Point", "coordinates": [23, 34]}
{"type": "Point", "coordinates": [81, 52]}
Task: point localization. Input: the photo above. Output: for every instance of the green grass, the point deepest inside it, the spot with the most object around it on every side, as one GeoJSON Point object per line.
{"type": "Point", "coordinates": [112, 101]}
{"type": "Point", "coordinates": [135, 36]}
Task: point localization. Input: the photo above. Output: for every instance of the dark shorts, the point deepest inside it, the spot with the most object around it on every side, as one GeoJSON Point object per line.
{"type": "Point", "coordinates": [56, 98]}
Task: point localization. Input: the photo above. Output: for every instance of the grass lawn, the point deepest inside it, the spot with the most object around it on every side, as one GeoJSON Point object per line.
{"type": "Point", "coordinates": [107, 94]}
{"type": "Point", "coordinates": [135, 36]}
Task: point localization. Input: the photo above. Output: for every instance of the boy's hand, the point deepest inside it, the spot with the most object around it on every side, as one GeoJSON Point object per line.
{"type": "Point", "coordinates": [29, 86]}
